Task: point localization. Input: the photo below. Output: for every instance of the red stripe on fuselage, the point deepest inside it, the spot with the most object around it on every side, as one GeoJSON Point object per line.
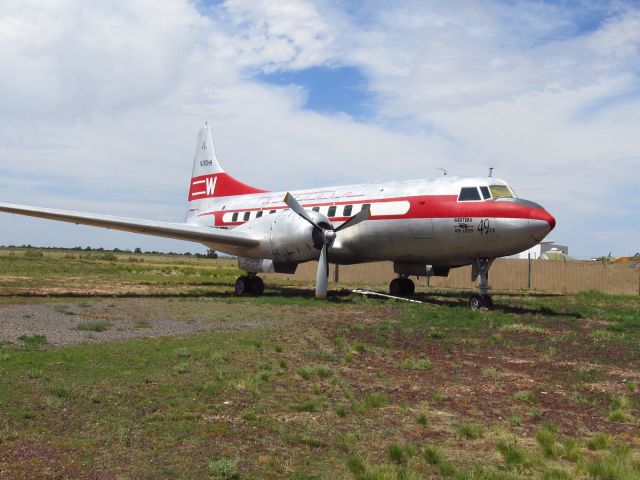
{"type": "Point", "coordinates": [422, 206]}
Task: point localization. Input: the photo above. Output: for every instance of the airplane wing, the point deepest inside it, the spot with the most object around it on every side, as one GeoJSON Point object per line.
{"type": "Point", "coordinates": [215, 237]}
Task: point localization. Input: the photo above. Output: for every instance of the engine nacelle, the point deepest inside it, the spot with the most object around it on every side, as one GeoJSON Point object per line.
{"type": "Point", "coordinates": [286, 237]}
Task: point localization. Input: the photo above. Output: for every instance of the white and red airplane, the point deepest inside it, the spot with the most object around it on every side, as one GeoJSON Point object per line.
{"type": "Point", "coordinates": [425, 227]}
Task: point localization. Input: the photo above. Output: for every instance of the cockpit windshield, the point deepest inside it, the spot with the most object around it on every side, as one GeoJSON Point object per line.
{"type": "Point", "coordinates": [500, 191]}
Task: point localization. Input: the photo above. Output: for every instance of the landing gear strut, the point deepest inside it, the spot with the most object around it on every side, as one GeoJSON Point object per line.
{"type": "Point", "coordinates": [481, 269]}
{"type": "Point", "coordinates": [250, 284]}
{"type": "Point", "coordinates": [402, 286]}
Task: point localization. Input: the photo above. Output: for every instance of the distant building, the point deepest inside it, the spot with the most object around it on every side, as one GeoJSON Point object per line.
{"type": "Point", "coordinates": [539, 250]}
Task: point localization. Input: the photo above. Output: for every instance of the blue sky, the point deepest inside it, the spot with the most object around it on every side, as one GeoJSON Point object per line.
{"type": "Point", "coordinates": [102, 103]}
{"type": "Point", "coordinates": [329, 90]}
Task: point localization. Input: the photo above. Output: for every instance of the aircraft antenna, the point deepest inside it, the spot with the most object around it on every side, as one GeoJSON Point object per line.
{"type": "Point", "coordinates": [490, 171]}
{"type": "Point", "coordinates": [444, 171]}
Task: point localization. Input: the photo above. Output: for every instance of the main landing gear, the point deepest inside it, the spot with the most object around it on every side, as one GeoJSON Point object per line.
{"type": "Point", "coordinates": [481, 269]}
{"type": "Point", "coordinates": [402, 286]}
{"type": "Point", "coordinates": [250, 284]}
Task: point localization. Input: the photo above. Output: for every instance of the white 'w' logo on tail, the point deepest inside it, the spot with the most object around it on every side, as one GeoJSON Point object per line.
{"type": "Point", "coordinates": [211, 185]}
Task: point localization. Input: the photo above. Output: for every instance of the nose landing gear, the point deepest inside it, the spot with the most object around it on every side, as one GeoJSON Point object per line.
{"type": "Point", "coordinates": [250, 284]}
{"type": "Point", "coordinates": [402, 286]}
{"type": "Point", "coordinates": [481, 269]}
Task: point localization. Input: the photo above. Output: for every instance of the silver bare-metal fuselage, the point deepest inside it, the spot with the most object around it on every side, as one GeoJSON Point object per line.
{"type": "Point", "coordinates": [416, 222]}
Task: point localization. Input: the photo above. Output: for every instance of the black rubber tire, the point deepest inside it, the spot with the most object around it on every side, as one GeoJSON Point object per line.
{"type": "Point", "coordinates": [242, 285]}
{"type": "Point", "coordinates": [487, 302]}
{"type": "Point", "coordinates": [256, 286]}
{"type": "Point", "coordinates": [395, 287]}
{"type": "Point", "coordinates": [475, 302]}
{"type": "Point", "coordinates": [408, 287]}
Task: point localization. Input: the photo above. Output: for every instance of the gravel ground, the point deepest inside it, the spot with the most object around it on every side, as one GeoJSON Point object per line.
{"type": "Point", "coordinates": [72, 323]}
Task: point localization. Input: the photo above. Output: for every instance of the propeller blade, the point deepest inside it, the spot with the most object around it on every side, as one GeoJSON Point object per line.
{"type": "Point", "coordinates": [361, 216]}
{"type": "Point", "coordinates": [296, 207]}
{"type": "Point", "coordinates": [322, 275]}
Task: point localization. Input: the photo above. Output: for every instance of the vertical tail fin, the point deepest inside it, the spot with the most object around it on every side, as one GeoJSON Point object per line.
{"type": "Point", "coordinates": [208, 179]}
{"type": "Point", "coordinates": [205, 161]}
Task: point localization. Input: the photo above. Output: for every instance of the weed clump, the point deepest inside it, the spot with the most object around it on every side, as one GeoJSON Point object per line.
{"type": "Point", "coordinates": [97, 326]}
{"type": "Point", "coordinates": [571, 449]}
{"type": "Point", "coordinates": [32, 341]}
{"type": "Point", "coordinates": [599, 441]}
{"type": "Point", "coordinates": [546, 438]}
{"type": "Point", "coordinates": [422, 419]}
{"type": "Point", "coordinates": [616, 465]}
{"type": "Point", "coordinates": [397, 454]}
{"type": "Point", "coordinates": [525, 396]}
{"type": "Point", "coordinates": [223, 469]}
{"type": "Point", "coordinates": [416, 364]}
{"type": "Point", "coordinates": [512, 455]}
{"type": "Point", "coordinates": [311, 405]}
{"type": "Point", "coordinates": [469, 431]}
{"type": "Point", "coordinates": [375, 400]}
{"type": "Point", "coordinates": [433, 456]}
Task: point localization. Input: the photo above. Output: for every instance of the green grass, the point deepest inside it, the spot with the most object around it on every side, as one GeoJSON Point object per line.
{"type": "Point", "coordinates": [525, 396]}
{"type": "Point", "coordinates": [416, 364]}
{"type": "Point", "coordinates": [288, 387]}
{"type": "Point", "coordinates": [93, 326]}
{"type": "Point", "coordinates": [469, 431]}
{"type": "Point", "coordinates": [512, 454]}
{"type": "Point", "coordinates": [546, 438]}
{"type": "Point", "coordinates": [33, 341]}
{"type": "Point", "coordinates": [600, 441]}
{"type": "Point", "coordinates": [223, 469]}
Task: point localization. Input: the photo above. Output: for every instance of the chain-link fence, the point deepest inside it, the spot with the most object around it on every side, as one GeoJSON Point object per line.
{"type": "Point", "coordinates": [569, 276]}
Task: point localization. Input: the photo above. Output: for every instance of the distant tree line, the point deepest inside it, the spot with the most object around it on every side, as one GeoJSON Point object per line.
{"type": "Point", "coordinates": [210, 252]}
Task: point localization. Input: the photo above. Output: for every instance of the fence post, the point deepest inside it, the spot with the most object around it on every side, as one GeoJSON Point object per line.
{"type": "Point", "coordinates": [336, 273]}
{"type": "Point", "coordinates": [529, 271]}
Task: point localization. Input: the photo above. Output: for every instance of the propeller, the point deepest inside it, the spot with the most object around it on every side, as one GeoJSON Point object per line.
{"type": "Point", "coordinates": [328, 235]}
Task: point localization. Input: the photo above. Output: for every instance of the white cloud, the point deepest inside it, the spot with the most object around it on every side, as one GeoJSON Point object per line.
{"type": "Point", "coordinates": [102, 102]}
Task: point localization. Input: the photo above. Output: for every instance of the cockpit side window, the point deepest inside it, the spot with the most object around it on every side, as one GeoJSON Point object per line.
{"type": "Point", "coordinates": [500, 191]}
{"type": "Point", "coordinates": [468, 194]}
{"type": "Point", "coordinates": [485, 193]}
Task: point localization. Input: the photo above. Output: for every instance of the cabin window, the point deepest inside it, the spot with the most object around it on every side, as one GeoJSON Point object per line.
{"type": "Point", "coordinates": [316, 209]}
{"type": "Point", "coordinates": [468, 194]}
{"type": "Point", "coordinates": [500, 191]}
{"type": "Point", "coordinates": [259, 214]}
{"type": "Point", "coordinates": [332, 211]}
{"type": "Point", "coordinates": [246, 216]}
{"type": "Point", "coordinates": [365, 206]}
{"type": "Point", "coordinates": [346, 212]}
{"type": "Point", "coordinates": [271, 211]}
{"type": "Point", "coordinates": [234, 217]}
{"type": "Point", "coordinates": [485, 193]}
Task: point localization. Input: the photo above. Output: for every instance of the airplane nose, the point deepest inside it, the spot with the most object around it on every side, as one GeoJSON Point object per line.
{"type": "Point", "coordinates": [541, 223]}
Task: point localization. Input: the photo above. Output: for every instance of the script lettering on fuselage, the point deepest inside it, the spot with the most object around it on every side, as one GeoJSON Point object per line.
{"type": "Point", "coordinates": [463, 225]}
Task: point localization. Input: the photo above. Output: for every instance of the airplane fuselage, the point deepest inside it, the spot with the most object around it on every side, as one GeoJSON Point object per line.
{"type": "Point", "coordinates": [417, 221]}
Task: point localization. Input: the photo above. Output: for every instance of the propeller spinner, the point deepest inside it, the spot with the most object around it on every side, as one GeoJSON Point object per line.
{"type": "Point", "coordinates": [328, 235]}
